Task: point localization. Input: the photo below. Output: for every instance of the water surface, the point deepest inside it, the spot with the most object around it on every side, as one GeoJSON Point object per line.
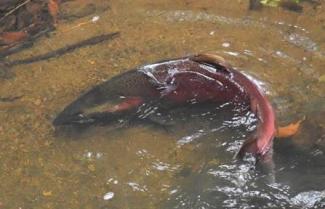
{"type": "Point", "coordinates": [190, 165]}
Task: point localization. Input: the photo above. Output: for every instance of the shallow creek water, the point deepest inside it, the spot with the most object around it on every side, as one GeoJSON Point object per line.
{"type": "Point", "coordinates": [188, 165]}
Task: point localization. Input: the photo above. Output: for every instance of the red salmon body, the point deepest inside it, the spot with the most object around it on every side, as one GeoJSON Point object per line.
{"type": "Point", "coordinates": [200, 78]}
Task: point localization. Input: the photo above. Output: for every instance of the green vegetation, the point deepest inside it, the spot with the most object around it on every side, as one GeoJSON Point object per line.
{"type": "Point", "coordinates": [275, 3]}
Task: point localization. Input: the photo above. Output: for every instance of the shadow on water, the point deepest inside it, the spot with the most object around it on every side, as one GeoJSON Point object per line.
{"type": "Point", "coordinates": [187, 123]}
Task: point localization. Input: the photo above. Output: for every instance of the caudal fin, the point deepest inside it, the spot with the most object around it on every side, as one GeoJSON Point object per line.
{"type": "Point", "coordinates": [249, 146]}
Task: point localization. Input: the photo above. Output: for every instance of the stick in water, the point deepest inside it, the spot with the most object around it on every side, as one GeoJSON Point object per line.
{"type": "Point", "coordinates": [65, 50]}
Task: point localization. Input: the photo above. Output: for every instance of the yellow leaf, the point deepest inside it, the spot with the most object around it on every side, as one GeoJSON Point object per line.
{"type": "Point", "coordinates": [322, 78]}
{"type": "Point", "coordinates": [47, 193]}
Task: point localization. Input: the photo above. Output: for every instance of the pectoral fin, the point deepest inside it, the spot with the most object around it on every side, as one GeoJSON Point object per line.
{"type": "Point", "coordinates": [212, 59]}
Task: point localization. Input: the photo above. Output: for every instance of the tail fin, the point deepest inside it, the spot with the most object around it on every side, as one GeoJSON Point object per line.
{"type": "Point", "coordinates": [249, 146]}
{"type": "Point", "coordinates": [259, 148]}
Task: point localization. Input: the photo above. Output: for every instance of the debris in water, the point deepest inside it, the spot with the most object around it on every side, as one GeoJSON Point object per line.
{"type": "Point", "coordinates": [108, 196]}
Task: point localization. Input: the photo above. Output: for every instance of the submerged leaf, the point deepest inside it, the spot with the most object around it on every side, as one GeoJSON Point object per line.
{"type": "Point", "coordinates": [322, 78]}
{"type": "Point", "coordinates": [271, 3]}
{"type": "Point", "coordinates": [53, 7]}
{"type": "Point", "coordinates": [12, 37]}
{"type": "Point", "coordinates": [289, 130]}
{"type": "Point", "coordinates": [47, 193]}
{"type": "Point", "coordinates": [275, 3]}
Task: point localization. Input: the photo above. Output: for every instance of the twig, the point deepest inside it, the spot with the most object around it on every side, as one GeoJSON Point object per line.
{"type": "Point", "coordinates": [64, 50]}
{"type": "Point", "coordinates": [93, 20]}
{"type": "Point", "coordinates": [14, 9]}
{"type": "Point", "coordinates": [13, 48]}
{"type": "Point", "coordinates": [10, 99]}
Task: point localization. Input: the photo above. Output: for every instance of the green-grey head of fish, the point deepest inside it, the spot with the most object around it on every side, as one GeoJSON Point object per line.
{"type": "Point", "coordinates": [88, 109]}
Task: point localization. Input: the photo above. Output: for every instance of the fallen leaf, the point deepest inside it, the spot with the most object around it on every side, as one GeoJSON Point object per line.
{"type": "Point", "coordinates": [91, 62]}
{"type": "Point", "coordinates": [289, 130]}
{"type": "Point", "coordinates": [47, 193]}
{"type": "Point", "coordinates": [12, 37]}
{"type": "Point", "coordinates": [322, 78]}
{"type": "Point", "coordinates": [53, 7]}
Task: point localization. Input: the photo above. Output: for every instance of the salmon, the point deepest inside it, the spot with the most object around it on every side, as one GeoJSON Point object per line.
{"type": "Point", "coordinates": [201, 78]}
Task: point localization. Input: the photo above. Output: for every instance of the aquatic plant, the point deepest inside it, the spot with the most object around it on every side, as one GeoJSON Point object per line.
{"type": "Point", "coordinates": [275, 3]}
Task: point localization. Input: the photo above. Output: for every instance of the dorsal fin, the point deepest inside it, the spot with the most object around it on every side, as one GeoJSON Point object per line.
{"type": "Point", "coordinates": [212, 59]}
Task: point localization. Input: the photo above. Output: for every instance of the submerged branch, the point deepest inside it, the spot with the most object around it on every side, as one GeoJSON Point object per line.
{"type": "Point", "coordinates": [10, 99]}
{"type": "Point", "coordinates": [13, 10]}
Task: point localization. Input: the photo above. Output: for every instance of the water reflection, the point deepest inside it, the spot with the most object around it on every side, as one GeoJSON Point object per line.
{"type": "Point", "coordinates": [240, 186]}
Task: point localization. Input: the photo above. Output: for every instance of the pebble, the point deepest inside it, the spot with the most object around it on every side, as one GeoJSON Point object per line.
{"type": "Point", "coordinates": [95, 19]}
{"type": "Point", "coordinates": [37, 102]}
{"type": "Point", "coordinates": [226, 44]}
{"type": "Point", "coordinates": [108, 196]}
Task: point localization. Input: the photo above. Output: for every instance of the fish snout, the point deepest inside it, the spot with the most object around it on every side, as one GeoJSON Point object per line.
{"type": "Point", "coordinates": [70, 119]}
